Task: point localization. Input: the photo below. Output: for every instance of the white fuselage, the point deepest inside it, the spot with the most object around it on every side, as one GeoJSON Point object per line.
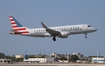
{"type": "Point", "coordinates": [59, 31]}
{"type": "Point", "coordinates": [69, 30]}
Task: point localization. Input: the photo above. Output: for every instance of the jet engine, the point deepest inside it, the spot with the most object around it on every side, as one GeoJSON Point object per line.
{"type": "Point", "coordinates": [63, 35]}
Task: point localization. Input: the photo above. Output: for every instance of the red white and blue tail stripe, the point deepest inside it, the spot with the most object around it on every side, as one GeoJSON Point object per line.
{"type": "Point", "coordinates": [17, 27]}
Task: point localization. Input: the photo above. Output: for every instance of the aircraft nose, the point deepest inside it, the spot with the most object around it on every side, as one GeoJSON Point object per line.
{"type": "Point", "coordinates": [95, 29]}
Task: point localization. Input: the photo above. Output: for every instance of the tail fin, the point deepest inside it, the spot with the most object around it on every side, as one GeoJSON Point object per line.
{"type": "Point", "coordinates": [17, 26]}
{"type": "Point", "coordinates": [14, 22]}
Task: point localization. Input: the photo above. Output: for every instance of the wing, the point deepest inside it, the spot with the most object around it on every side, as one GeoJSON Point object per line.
{"type": "Point", "coordinates": [51, 31]}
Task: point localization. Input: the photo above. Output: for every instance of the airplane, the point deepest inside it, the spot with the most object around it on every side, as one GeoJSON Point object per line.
{"type": "Point", "coordinates": [58, 31]}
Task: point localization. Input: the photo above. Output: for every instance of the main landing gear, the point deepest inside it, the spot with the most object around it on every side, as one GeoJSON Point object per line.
{"type": "Point", "coordinates": [54, 38]}
{"type": "Point", "coordinates": [85, 35]}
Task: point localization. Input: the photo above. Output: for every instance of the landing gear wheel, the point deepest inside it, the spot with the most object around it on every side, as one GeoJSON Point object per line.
{"type": "Point", "coordinates": [85, 35]}
{"type": "Point", "coordinates": [54, 39]}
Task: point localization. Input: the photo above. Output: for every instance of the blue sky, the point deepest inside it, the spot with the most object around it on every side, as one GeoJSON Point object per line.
{"type": "Point", "coordinates": [53, 13]}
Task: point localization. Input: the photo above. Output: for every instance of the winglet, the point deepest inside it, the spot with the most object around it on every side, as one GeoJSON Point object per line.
{"type": "Point", "coordinates": [44, 26]}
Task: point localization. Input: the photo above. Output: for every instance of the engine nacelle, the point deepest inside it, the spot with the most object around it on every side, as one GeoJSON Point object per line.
{"type": "Point", "coordinates": [64, 35]}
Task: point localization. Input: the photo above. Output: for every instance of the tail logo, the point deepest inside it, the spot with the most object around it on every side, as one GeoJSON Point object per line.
{"type": "Point", "coordinates": [17, 26]}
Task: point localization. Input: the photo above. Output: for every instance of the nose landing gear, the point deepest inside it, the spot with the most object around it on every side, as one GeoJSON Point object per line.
{"type": "Point", "coordinates": [85, 35]}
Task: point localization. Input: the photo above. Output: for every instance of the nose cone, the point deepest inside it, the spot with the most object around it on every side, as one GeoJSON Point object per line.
{"type": "Point", "coordinates": [95, 29]}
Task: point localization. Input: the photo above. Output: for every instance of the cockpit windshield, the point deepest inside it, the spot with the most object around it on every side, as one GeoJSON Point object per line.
{"type": "Point", "coordinates": [89, 26]}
